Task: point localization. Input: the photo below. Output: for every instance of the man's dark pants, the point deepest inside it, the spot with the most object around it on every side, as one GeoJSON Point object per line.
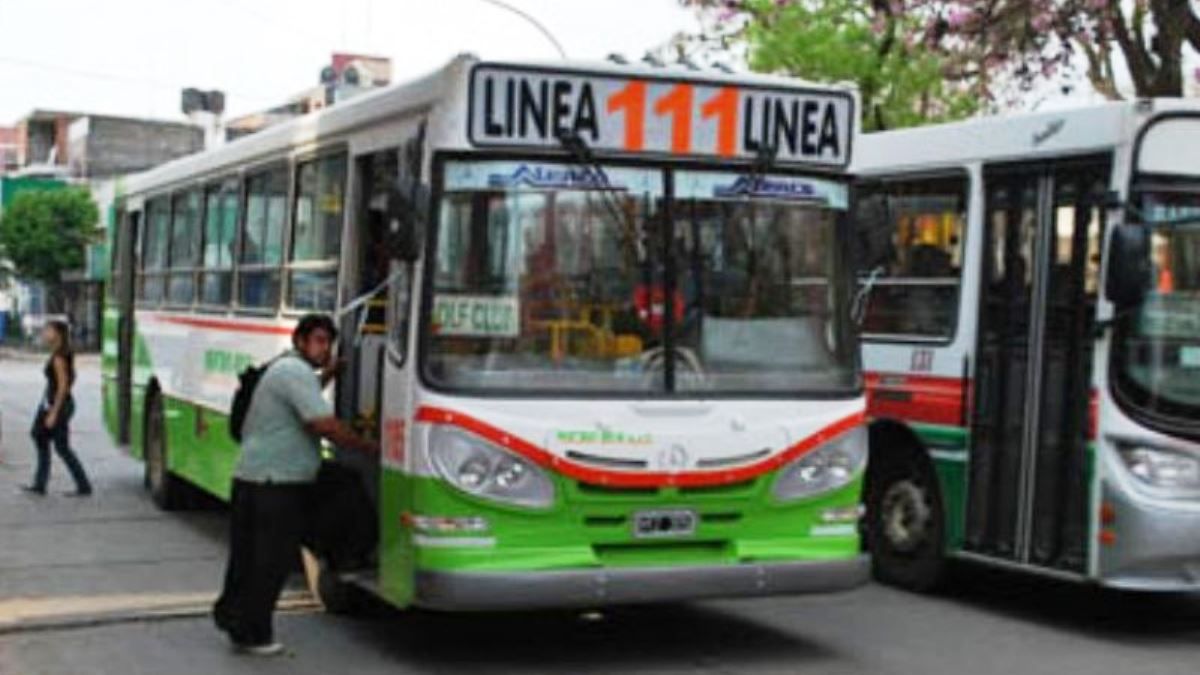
{"type": "Point", "coordinates": [267, 525]}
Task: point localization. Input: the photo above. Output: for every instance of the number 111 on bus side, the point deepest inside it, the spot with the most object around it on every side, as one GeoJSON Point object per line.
{"type": "Point", "coordinates": [522, 108]}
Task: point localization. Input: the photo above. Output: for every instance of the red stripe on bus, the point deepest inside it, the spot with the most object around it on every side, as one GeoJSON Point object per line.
{"type": "Point", "coordinates": [220, 324]}
{"type": "Point", "coordinates": [586, 474]}
{"type": "Point", "coordinates": [936, 400]}
{"type": "Point", "coordinates": [1093, 414]}
{"type": "Point", "coordinates": [916, 398]}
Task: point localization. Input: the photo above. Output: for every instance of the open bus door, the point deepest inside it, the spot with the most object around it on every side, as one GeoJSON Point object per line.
{"type": "Point", "coordinates": [129, 227]}
{"type": "Point", "coordinates": [1029, 469]}
{"type": "Point", "coordinates": [364, 325]}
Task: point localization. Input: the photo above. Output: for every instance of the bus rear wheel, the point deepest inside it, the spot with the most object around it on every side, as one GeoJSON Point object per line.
{"type": "Point", "coordinates": [906, 526]}
{"type": "Point", "coordinates": [166, 490]}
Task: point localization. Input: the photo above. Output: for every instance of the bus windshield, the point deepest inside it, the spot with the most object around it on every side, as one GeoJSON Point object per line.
{"type": "Point", "coordinates": [1158, 356]}
{"type": "Point", "coordinates": [554, 278]}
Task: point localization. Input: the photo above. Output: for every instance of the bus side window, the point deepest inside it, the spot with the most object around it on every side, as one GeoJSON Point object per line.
{"type": "Point", "coordinates": [317, 235]}
{"type": "Point", "coordinates": [264, 218]}
{"type": "Point", "coordinates": [222, 204]}
{"type": "Point", "coordinates": [155, 245]}
{"type": "Point", "coordinates": [185, 248]}
{"type": "Point", "coordinates": [910, 234]}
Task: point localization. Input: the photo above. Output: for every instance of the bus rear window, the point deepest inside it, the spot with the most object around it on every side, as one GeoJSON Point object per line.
{"type": "Point", "coordinates": [909, 263]}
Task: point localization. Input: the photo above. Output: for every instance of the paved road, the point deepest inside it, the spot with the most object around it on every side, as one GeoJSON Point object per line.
{"type": "Point", "coordinates": [80, 585]}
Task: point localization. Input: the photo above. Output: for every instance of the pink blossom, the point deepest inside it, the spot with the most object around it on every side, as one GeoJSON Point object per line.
{"type": "Point", "coordinates": [959, 17]}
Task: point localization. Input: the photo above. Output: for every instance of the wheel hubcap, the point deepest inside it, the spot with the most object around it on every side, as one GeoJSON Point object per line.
{"type": "Point", "coordinates": [906, 515]}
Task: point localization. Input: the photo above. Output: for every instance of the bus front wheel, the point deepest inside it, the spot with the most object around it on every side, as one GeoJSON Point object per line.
{"type": "Point", "coordinates": [165, 488]}
{"type": "Point", "coordinates": [906, 525]}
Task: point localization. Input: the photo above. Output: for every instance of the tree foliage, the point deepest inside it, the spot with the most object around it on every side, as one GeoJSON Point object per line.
{"type": "Point", "coordinates": [1108, 41]}
{"type": "Point", "coordinates": [44, 233]}
{"type": "Point", "coordinates": [927, 60]}
{"type": "Point", "coordinates": [902, 81]}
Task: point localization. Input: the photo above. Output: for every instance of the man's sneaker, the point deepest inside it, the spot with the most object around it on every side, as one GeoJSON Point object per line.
{"type": "Point", "coordinates": [264, 649]}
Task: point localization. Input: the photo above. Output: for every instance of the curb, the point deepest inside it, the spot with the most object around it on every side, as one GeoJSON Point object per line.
{"type": "Point", "coordinates": [10, 354]}
{"type": "Point", "coordinates": [299, 603]}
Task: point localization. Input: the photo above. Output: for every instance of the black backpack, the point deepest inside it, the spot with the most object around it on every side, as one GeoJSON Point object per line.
{"type": "Point", "coordinates": [248, 381]}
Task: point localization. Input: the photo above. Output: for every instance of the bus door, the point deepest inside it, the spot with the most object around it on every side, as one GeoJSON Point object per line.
{"type": "Point", "coordinates": [1029, 472]}
{"type": "Point", "coordinates": [365, 328]}
{"type": "Point", "coordinates": [129, 227]}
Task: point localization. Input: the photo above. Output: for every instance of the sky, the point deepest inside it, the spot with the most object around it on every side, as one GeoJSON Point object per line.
{"type": "Point", "coordinates": [132, 57]}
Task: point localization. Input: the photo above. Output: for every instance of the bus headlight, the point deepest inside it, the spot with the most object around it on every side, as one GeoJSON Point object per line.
{"type": "Point", "coordinates": [829, 467]}
{"type": "Point", "coordinates": [485, 470]}
{"type": "Point", "coordinates": [1162, 468]}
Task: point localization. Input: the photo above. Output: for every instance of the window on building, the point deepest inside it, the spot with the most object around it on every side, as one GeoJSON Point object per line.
{"type": "Point", "coordinates": [910, 246]}
{"type": "Point", "coordinates": [318, 209]}
{"type": "Point", "coordinates": [156, 242]}
{"type": "Point", "coordinates": [262, 239]}
{"type": "Point", "coordinates": [222, 205]}
{"type": "Point", "coordinates": [186, 237]}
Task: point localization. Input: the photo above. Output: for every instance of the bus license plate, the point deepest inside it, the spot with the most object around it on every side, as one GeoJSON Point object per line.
{"type": "Point", "coordinates": [666, 523]}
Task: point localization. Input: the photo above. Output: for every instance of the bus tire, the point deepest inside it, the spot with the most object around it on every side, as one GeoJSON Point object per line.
{"type": "Point", "coordinates": [336, 596]}
{"type": "Point", "coordinates": [906, 524]}
{"type": "Point", "coordinates": [168, 491]}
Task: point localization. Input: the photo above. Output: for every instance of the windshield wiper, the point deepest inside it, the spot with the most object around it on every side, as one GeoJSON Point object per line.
{"type": "Point", "coordinates": [582, 155]}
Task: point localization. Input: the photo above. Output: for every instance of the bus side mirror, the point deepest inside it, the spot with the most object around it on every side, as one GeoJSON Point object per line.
{"type": "Point", "coordinates": [1129, 270]}
{"type": "Point", "coordinates": [407, 215]}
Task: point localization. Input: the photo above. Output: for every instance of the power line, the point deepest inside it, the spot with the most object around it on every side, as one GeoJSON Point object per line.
{"type": "Point", "coordinates": [112, 77]}
{"type": "Point", "coordinates": [512, 9]}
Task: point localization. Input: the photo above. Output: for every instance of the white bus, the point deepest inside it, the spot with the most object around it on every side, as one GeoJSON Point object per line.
{"type": "Point", "coordinates": [1030, 304]}
{"type": "Point", "coordinates": [597, 315]}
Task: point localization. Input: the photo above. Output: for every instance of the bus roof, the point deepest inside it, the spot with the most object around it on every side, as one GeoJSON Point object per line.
{"type": "Point", "coordinates": [1073, 131]}
{"type": "Point", "coordinates": [447, 84]}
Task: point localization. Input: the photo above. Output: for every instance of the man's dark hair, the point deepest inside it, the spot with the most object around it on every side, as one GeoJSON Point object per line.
{"type": "Point", "coordinates": [313, 322]}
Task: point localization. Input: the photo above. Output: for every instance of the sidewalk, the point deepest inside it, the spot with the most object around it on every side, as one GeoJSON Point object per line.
{"type": "Point", "coordinates": [113, 556]}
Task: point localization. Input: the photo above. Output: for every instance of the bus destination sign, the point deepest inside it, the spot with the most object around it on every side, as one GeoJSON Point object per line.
{"type": "Point", "coordinates": [526, 108]}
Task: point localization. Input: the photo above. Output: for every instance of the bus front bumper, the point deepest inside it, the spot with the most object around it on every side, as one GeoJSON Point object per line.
{"type": "Point", "coordinates": [1156, 547]}
{"type": "Point", "coordinates": [487, 591]}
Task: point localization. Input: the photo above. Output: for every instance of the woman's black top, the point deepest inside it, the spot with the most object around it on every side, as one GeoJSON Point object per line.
{"type": "Point", "coordinates": [52, 381]}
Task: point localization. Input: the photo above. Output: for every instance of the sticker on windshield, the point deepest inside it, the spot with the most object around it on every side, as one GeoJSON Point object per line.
{"type": "Point", "coordinates": [1166, 316]}
{"type": "Point", "coordinates": [557, 177]}
{"type": "Point", "coordinates": [769, 187]}
{"type": "Point", "coordinates": [776, 188]}
{"type": "Point", "coordinates": [1189, 357]}
{"type": "Point", "coordinates": [476, 316]}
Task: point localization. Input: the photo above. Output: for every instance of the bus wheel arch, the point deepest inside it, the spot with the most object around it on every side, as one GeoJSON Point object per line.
{"type": "Point", "coordinates": [905, 517]}
{"type": "Point", "coordinates": [166, 489]}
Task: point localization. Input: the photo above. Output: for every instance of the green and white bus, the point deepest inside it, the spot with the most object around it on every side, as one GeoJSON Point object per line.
{"type": "Point", "coordinates": [1030, 304]}
{"type": "Point", "coordinates": [597, 315]}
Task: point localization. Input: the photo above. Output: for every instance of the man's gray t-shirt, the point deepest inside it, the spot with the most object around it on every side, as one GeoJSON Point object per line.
{"type": "Point", "coordinates": [275, 446]}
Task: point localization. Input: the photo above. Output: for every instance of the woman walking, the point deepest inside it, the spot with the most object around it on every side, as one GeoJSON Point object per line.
{"type": "Point", "coordinates": [51, 423]}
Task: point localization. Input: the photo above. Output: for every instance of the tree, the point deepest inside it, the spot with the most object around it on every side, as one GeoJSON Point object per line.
{"type": "Point", "coordinates": [1111, 40]}
{"type": "Point", "coordinates": [44, 233]}
{"type": "Point", "coordinates": [989, 51]}
{"type": "Point", "coordinates": [901, 80]}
